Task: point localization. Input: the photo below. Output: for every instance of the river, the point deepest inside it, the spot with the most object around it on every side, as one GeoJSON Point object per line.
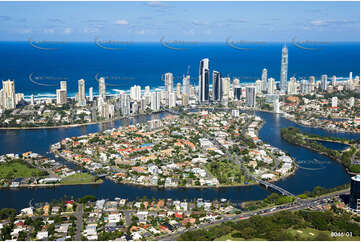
{"type": "Point", "coordinates": [325, 172]}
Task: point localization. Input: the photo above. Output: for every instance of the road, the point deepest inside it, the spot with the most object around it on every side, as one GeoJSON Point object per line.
{"type": "Point", "coordinates": [299, 205]}
{"type": "Point", "coordinates": [79, 221]}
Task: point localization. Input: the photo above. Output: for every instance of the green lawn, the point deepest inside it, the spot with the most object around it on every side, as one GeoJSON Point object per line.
{"type": "Point", "coordinates": [79, 178]}
{"type": "Point", "coordinates": [19, 169]}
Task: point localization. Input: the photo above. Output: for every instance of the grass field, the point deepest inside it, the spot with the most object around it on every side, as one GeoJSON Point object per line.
{"type": "Point", "coordinates": [302, 234]}
{"type": "Point", "coordinates": [18, 169]}
{"type": "Point", "coordinates": [79, 178]}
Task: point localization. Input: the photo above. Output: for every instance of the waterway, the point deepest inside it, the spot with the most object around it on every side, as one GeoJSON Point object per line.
{"type": "Point", "coordinates": [324, 172]}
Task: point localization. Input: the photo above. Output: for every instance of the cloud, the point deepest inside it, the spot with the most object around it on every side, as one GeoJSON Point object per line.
{"type": "Point", "coordinates": [49, 30]}
{"type": "Point", "coordinates": [121, 22]}
{"type": "Point", "coordinates": [237, 21]}
{"type": "Point", "coordinates": [200, 23]}
{"type": "Point", "coordinates": [319, 22]}
{"type": "Point", "coordinates": [88, 30]}
{"type": "Point", "coordinates": [156, 4]}
{"type": "Point", "coordinates": [25, 31]}
{"type": "Point", "coordinates": [56, 20]}
{"type": "Point", "coordinates": [68, 31]}
{"type": "Point", "coordinates": [5, 18]}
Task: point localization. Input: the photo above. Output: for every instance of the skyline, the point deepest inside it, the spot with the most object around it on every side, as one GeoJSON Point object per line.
{"type": "Point", "coordinates": [180, 21]}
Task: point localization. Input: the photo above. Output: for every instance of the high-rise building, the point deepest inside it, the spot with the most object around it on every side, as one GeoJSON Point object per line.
{"type": "Point", "coordinates": [63, 85]}
{"type": "Point", "coordinates": [186, 85]}
{"type": "Point", "coordinates": [172, 100]}
{"type": "Point", "coordinates": [352, 101]}
{"type": "Point", "coordinates": [179, 90]}
{"type": "Point", "coordinates": [185, 99]}
{"type": "Point", "coordinates": [102, 88]}
{"type": "Point", "coordinates": [91, 95]}
{"type": "Point", "coordinates": [168, 81]}
{"type": "Point", "coordinates": [226, 83]}
{"type": "Point", "coordinates": [237, 92]}
{"type": "Point", "coordinates": [264, 80]}
{"type": "Point", "coordinates": [147, 91]}
{"type": "Point", "coordinates": [8, 100]}
{"type": "Point", "coordinates": [259, 86]}
{"type": "Point", "coordinates": [334, 102]}
{"type": "Point", "coordinates": [292, 86]}
{"type": "Point", "coordinates": [60, 96]}
{"type": "Point", "coordinates": [355, 193]}
{"type": "Point", "coordinates": [135, 93]}
{"type": "Point", "coordinates": [251, 96]}
{"type": "Point", "coordinates": [271, 86]}
{"type": "Point", "coordinates": [324, 82]}
{"type": "Point", "coordinates": [81, 93]}
{"type": "Point", "coordinates": [19, 97]}
{"type": "Point", "coordinates": [312, 81]}
{"type": "Point", "coordinates": [334, 81]}
{"type": "Point", "coordinates": [276, 104]}
{"type": "Point", "coordinates": [32, 102]}
{"type": "Point", "coordinates": [155, 101]}
{"type": "Point", "coordinates": [217, 86]}
{"type": "Point", "coordinates": [204, 80]}
{"type": "Point", "coordinates": [284, 69]}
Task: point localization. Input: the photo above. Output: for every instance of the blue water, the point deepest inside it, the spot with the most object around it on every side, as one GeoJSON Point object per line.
{"type": "Point", "coordinates": [144, 63]}
{"type": "Point", "coordinates": [328, 173]}
{"type": "Point", "coordinates": [333, 145]}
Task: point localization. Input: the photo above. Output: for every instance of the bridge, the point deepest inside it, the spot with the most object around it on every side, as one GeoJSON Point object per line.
{"type": "Point", "coordinates": [272, 186]}
{"type": "Point", "coordinates": [266, 184]}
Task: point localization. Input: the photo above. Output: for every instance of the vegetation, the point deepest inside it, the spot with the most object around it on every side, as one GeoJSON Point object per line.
{"type": "Point", "coordinates": [281, 226]}
{"type": "Point", "coordinates": [19, 169]}
{"type": "Point", "coordinates": [318, 191]}
{"type": "Point", "coordinates": [271, 200]}
{"type": "Point", "coordinates": [295, 136]}
{"type": "Point", "coordinates": [79, 178]}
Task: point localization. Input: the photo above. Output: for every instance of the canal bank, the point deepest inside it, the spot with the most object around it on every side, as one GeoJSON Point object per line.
{"type": "Point", "coordinates": [18, 141]}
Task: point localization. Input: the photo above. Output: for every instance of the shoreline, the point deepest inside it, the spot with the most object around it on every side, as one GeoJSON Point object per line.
{"type": "Point", "coordinates": [323, 153]}
{"type": "Point", "coordinates": [78, 125]}
{"type": "Point", "coordinates": [56, 152]}
{"type": "Point", "coordinates": [50, 185]}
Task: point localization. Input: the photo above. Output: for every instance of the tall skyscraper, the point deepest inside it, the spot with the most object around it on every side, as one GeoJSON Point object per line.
{"type": "Point", "coordinates": [91, 95]}
{"type": "Point", "coordinates": [292, 86]}
{"type": "Point", "coordinates": [217, 86]}
{"type": "Point", "coordinates": [179, 90]}
{"type": "Point", "coordinates": [168, 81]}
{"type": "Point", "coordinates": [271, 86]}
{"type": "Point", "coordinates": [264, 80]}
{"type": "Point", "coordinates": [147, 91]}
{"type": "Point", "coordinates": [251, 96]}
{"type": "Point", "coordinates": [324, 82]}
{"type": "Point", "coordinates": [334, 81]}
{"type": "Point", "coordinates": [102, 88]}
{"type": "Point", "coordinates": [155, 101]}
{"type": "Point", "coordinates": [9, 100]}
{"type": "Point", "coordinates": [186, 85]}
{"type": "Point", "coordinates": [32, 102]}
{"type": "Point", "coordinates": [63, 86]}
{"type": "Point", "coordinates": [284, 69]}
{"type": "Point", "coordinates": [81, 93]}
{"type": "Point", "coordinates": [276, 104]}
{"type": "Point", "coordinates": [172, 100]}
{"type": "Point", "coordinates": [226, 83]}
{"type": "Point", "coordinates": [60, 96]}
{"type": "Point", "coordinates": [259, 87]}
{"type": "Point", "coordinates": [135, 92]}
{"type": "Point", "coordinates": [204, 80]}
{"type": "Point", "coordinates": [237, 92]}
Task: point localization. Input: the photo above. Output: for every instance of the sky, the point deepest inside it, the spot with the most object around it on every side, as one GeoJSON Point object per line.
{"type": "Point", "coordinates": [180, 21]}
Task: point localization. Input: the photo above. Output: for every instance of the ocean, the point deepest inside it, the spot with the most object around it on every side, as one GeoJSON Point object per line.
{"type": "Point", "coordinates": [39, 71]}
